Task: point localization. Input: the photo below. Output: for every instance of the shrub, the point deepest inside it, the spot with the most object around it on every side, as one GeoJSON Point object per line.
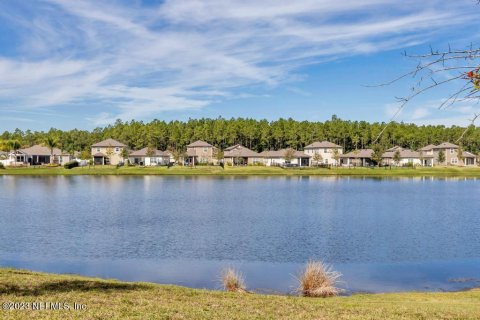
{"type": "Point", "coordinates": [318, 280]}
{"type": "Point", "coordinates": [52, 165]}
{"type": "Point", "coordinates": [2, 166]}
{"type": "Point", "coordinates": [71, 164]}
{"type": "Point", "coordinates": [232, 280]}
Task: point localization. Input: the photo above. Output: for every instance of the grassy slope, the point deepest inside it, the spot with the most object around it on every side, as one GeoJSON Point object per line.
{"type": "Point", "coordinates": [109, 170]}
{"type": "Point", "coordinates": [108, 299]}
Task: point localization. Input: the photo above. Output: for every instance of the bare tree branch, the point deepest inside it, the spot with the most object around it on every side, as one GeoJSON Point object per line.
{"type": "Point", "coordinates": [431, 72]}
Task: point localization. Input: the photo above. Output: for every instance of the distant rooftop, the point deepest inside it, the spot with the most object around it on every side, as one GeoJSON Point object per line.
{"type": "Point", "coordinates": [108, 143]}
{"type": "Point", "coordinates": [323, 144]}
{"type": "Point", "coordinates": [199, 143]}
{"type": "Point", "coordinates": [239, 151]}
{"type": "Point", "coordinates": [281, 154]}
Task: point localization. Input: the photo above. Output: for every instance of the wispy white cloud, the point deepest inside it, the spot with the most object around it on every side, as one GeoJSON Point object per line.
{"type": "Point", "coordinates": [428, 113]}
{"type": "Point", "coordinates": [134, 61]}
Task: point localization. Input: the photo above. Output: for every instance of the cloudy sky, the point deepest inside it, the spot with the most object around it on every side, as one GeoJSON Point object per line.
{"type": "Point", "coordinates": [83, 64]}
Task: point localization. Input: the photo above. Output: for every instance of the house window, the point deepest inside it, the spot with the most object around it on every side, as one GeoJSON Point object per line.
{"type": "Point", "coordinates": [205, 149]}
{"type": "Point", "coordinates": [454, 160]}
{"type": "Point", "coordinates": [326, 161]}
{"type": "Point", "coordinates": [117, 149]}
{"type": "Point", "coordinates": [451, 151]}
{"type": "Point", "coordinates": [98, 149]}
{"type": "Point", "coordinates": [325, 150]}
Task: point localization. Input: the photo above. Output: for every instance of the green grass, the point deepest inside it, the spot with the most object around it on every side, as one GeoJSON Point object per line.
{"type": "Point", "coordinates": [110, 299]}
{"type": "Point", "coordinates": [251, 170]}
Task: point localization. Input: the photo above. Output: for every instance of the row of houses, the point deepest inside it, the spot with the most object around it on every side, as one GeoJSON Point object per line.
{"type": "Point", "coordinates": [113, 152]}
{"type": "Point", "coordinates": [427, 156]}
{"type": "Point", "coordinates": [317, 153]}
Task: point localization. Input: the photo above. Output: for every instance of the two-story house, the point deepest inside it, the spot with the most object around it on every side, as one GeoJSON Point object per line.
{"type": "Point", "coordinates": [201, 152]}
{"type": "Point", "coordinates": [108, 152]}
{"type": "Point", "coordinates": [324, 152]}
{"type": "Point", "coordinates": [430, 155]}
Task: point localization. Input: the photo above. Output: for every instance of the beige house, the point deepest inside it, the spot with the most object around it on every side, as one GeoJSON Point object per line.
{"type": "Point", "coordinates": [144, 158]}
{"type": "Point", "coordinates": [429, 155]}
{"type": "Point", "coordinates": [201, 152]}
{"type": "Point", "coordinates": [277, 158]}
{"type": "Point", "coordinates": [108, 152]}
{"type": "Point", "coordinates": [240, 155]}
{"type": "Point", "coordinates": [325, 151]}
{"type": "Point", "coordinates": [406, 157]}
{"type": "Point", "coordinates": [357, 158]}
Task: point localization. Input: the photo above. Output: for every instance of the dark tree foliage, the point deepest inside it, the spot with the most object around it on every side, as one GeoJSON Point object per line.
{"type": "Point", "coordinates": [257, 135]}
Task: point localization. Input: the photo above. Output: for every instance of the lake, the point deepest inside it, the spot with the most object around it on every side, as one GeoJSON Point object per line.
{"type": "Point", "coordinates": [382, 234]}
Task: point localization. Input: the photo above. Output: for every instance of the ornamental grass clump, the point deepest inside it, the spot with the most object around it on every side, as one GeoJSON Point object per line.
{"type": "Point", "coordinates": [233, 280]}
{"type": "Point", "coordinates": [318, 280]}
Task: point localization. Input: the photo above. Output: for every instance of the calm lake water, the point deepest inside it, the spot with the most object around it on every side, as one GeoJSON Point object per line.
{"type": "Point", "coordinates": [382, 234]}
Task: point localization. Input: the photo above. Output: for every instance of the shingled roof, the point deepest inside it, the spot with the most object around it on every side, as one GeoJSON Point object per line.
{"type": "Point", "coordinates": [108, 143]}
{"type": "Point", "coordinates": [404, 153]}
{"type": "Point", "coordinates": [143, 153]}
{"type": "Point", "coordinates": [446, 145]}
{"type": "Point", "coordinates": [427, 148]}
{"type": "Point", "coordinates": [239, 151]}
{"type": "Point", "coordinates": [199, 143]}
{"type": "Point", "coordinates": [281, 154]}
{"type": "Point", "coordinates": [361, 153]}
{"type": "Point", "coordinates": [39, 150]}
{"type": "Point", "coordinates": [323, 144]}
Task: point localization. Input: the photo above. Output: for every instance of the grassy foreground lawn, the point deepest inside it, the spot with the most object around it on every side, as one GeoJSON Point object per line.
{"type": "Point", "coordinates": [251, 170]}
{"type": "Point", "coordinates": [110, 299]}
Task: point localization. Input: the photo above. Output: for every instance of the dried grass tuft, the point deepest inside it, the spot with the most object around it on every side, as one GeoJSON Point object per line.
{"type": "Point", "coordinates": [233, 280]}
{"type": "Point", "coordinates": [318, 280]}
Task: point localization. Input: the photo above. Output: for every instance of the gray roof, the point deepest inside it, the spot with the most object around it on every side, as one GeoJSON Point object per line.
{"type": "Point", "coordinates": [467, 154]}
{"type": "Point", "coordinates": [108, 143]}
{"type": "Point", "coordinates": [239, 151]}
{"type": "Point", "coordinates": [360, 153]}
{"type": "Point", "coordinates": [404, 153]}
{"type": "Point", "coordinates": [143, 153]}
{"type": "Point", "coordinates": [427, 148]}
{"type": "Point", "coordinates": [281, 154]}
{"type": "Point", "coordinates": [199, 143]}
{"type": "Point", "coordinates": [39, 150]}
{"type": "Point", "coordinates": [323, 144]}
{"type": "Point", "coordinates": [446, 145]}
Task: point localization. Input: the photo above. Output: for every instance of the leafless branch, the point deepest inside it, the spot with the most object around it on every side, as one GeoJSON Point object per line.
{"type": "Point", "coordinates": [472, 123]}
{"type": "Point", "coordinates": [430, 70]}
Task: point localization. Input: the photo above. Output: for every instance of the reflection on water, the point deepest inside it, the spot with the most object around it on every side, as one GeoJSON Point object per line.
{"type": "Point", "coordinates": [383, 234]}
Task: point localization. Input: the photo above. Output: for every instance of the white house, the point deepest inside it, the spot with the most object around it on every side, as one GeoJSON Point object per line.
{"type": "Point", "coordinates": [325, 151]}
{"type": "Point", "coordinates": [277, 158]}
{"type": "Point", "coordinates": [35, 155]}
{"type": "Point", "coordinates": [240, 155]}
{"type": "Point", "coordinates": [156, 158]}
{"type": "Point", "coordinates": [406, 157]}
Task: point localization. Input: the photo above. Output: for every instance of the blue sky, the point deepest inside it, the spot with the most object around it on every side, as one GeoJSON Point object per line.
{"type": "Point", "coordinates": [81, 64]}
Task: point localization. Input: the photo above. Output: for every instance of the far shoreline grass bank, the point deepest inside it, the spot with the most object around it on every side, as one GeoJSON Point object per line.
{"type": "Point", "coordinates": [248, 171]}
{"type": "Point", "coordinates": [112, 299]}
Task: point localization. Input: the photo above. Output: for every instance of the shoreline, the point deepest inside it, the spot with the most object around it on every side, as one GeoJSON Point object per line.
{"type": "Point", "coordinates": [460, 172]}
{"type": "Point", "coordinates": [102, 298]}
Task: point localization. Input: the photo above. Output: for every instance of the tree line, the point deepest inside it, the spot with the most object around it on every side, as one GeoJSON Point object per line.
{"type": "Point", "coordinates": [258, 135]}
